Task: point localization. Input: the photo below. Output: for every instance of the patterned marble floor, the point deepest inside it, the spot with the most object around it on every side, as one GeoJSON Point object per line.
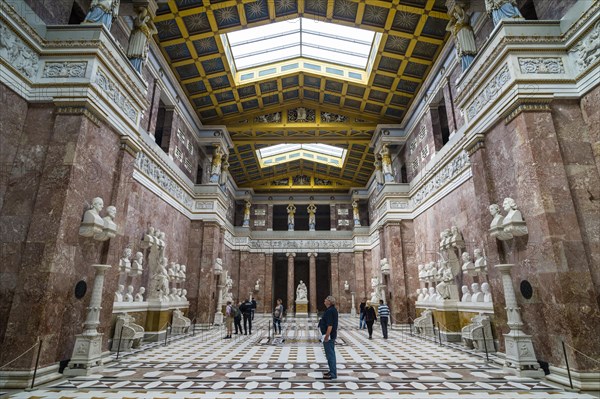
{"type": "Point", "coordinates": [290, 366]}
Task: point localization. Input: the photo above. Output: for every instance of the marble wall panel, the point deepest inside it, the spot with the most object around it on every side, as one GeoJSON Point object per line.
{"type": "Point", "coordinates": [193, 264]}
{"type": "Point", "coordinates": [552, 10]}
{"type": "Point", "coordinates": [346, 273]}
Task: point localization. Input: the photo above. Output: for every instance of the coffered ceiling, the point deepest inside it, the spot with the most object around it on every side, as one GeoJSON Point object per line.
{"type": "Point", "coordinates": [344, 112]}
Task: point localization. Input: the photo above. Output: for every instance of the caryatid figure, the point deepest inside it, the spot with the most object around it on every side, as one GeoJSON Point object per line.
{"type": "Point", "coordinates": [355, 214]}
{"type": "Point", "coordinates": [102, 12]}
{"type": "Point", "coordinates": [312, 220]}
{"type": "Point", "coordinates": [464, 38]}
{"type": "Point", "coordinates": [291, 210]}
{"type": "Point", "coordinates": [502, 9]}
{"type": "Point", "coordinates": [215, 169]}
{"type": "Point", "coordinates": [247, 207]}
{"type": "Point", "coordinates": [143, 29]}
{"type": "Point", "coordinates": [386, 163]}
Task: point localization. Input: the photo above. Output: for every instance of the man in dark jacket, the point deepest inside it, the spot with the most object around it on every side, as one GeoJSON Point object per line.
{"type": "Point", "coordinates": [246, 309]}
{"type": "Point", "coordinates": [328, 326]}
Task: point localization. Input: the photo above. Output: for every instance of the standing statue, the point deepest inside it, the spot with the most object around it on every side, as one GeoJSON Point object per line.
{"type": "Point", "coordinates": [246, 222]}
{"type": "Point", "coordinates": [502, 9]}
{"type": "Point", "coordinates": [291, 210]}
{"type": "Point", "coordinates": [215, 169]}
{"type": "Point", "coordinates": [103, 12]}
{"type": "Point", "coordinates": [378, 174]}
{"type": "Point", "coordinates": [386, 163]}
{"type": "Point", "coordinates": [375, 292]}
{"type": "Point", "coordinates": [224, 171]}
{"type": "Point", "coordinates": [143, 29]}
{"type": "Point", "coordinates": [301, 292]}
{"type": "Point", "coordinates": [355, 214]}
{"type": "Point", "coordinates": [312, 209]}
{"type": "Point", "coordinates": [464, 37]}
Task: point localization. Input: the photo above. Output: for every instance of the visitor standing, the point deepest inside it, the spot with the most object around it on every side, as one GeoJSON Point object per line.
{"type": "Point", "coordinates": [246, 309]}
{"type": "Point", "coordinates": [384, 317]}
{"type": "Point", "coordinates": [277, 316]}
{"type": "Point", "coordinates": [237, 318]}
{"type": "Point", "coordinates": [328, 326]}
{"type": "Point", "coordinates": [370, 318]}
{"type": "Point", "coordinates": [229, 319]}
{"type": "Point", "coordinates": [361, 324]}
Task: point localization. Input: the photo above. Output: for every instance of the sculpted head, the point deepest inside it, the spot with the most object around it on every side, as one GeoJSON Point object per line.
{"type": "Point", "coordinates": [97, 204]}
{"type": "Point", "coordinates": [466, 257]}
{"type": "Point", "coordinates": [465, 289]}
{"type": "Point", "coordinates": [127, 253]}
{"type": "Point", "coordinates": [139, 256]}
{"type": "Point", "coordinates": [475, 287]}
{"type": "Point", "coordinates": [420, 268]}
{"type": "Point", "coordinates": [454, 230]}
{"type": "Point", "coordinates": [130, 289]}
{"type": "Point", "coordinates": [121, 288]}
{"type": "Point", "coordinates": [509, 204]}
{"type": "Point", "coordinates": [494, 209]}
{"type": "Point", "coordinates": [431, 291]}
{"type": "Point", "coordinates": [142, 290]}
{"type": "Point", "coordinates": [478, 254]}
{"type": "Point", "coordinates": [112, 211]}
{"type": "Point", "coordinates": [485, 287]}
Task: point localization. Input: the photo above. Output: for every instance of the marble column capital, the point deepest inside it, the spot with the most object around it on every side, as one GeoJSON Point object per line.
{"type": "Point", "coordinates": [290, 254]}
{"type": "Point", "coordinates": [312, 254]}
{"type": "Point", "coordinates": [476, 143]}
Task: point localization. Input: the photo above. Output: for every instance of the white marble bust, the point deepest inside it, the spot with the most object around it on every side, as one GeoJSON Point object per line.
{"type": "Point", "coordinates": [421, 269]}
{"type": "Point", "coordinates": [124, 262]}
{"type": "Point", "coordinates": [137, 268]}
{"type": "Point", "coordinates": [139, 297]}
{"type": "Point", "coordinates": [110, 227]}
{"type": "Point", "coordinates": [480, 260]}
{"type": "Point", "coordinates": [466, 295]}
{"type": "Point", "coordinates": [92, 223]}
{"type": "Point", "coordinates": [425, 295]}
{"type": "Point", "coordinates": [487, 295]}
{"type": "Point", "coordinates": [477, 295]}
{"type": "Point", "coordinates": [346, 285]}
{"type": "Point", "coordinates": [129, 294]}
{"type": "Point", "coordinates": [432, 295]}
{"type": "Point", "coordinates": [513, 222]}
{"type": "Point", "coordinates": [467, 266]}
{"type": "Point", "coordinates": [119, 294]}
{"type": "Point", "coordinates": [496, 227]}
{"type": "Point", "coordinates": [420, 294]}
{"type": "Point", "coordinates": [457, 240]}
{"type": "Point", "coordinates": [184, 294]}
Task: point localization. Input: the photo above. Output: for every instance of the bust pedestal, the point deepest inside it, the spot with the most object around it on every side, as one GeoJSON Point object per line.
{"type": "Point", "coordinates": [302, 308]}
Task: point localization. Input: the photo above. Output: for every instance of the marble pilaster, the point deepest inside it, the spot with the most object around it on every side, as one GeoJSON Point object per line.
{"type": "Point", "coordinates": [312, 286]}
{"type": "Point", "coordinates": [291, 289]}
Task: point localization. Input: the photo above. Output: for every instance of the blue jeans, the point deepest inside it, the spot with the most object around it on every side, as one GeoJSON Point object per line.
{"type": "Point", "coordinates": [362, 324]}
{"type": "Point", "coordinates": [329, 348]}
{"type": "Point", "coordinates": [276, 322]}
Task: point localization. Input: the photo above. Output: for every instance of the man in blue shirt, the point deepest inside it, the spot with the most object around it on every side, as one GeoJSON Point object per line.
{"type": "Point", "coordinates": [328, 326]}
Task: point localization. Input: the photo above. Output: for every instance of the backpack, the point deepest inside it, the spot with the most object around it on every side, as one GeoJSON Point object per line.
{"type": "Point", "coordinates": [235, 312]}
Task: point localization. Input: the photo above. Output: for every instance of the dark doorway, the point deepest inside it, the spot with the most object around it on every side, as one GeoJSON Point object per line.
{"type": "Point", "coordinates": [323, 279]}
{"type": "Point", "coordinates": [301, 272]}
{"type": "Point", "coordinates": [280, 218]}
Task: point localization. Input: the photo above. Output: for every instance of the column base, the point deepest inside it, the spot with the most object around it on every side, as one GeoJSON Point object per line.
{"type": "Point", "coordinates": [520, 356]}
{"type": "Point", "coordinates": [218, 319]}
{"type": "Point", "coordinates": [581, 381]}
{"type": "Point", "coordinates": [87, 356]}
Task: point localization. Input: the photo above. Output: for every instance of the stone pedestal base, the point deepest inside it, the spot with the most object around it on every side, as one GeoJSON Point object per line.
{"type": "Point", "coordinates": [87, 356]}
{"type": "Point", "coordinates": [301, 308]}
{"type": "Point", "coordinates": [218, 319]}
{"type": "Point", "coordinates": [520, 356]}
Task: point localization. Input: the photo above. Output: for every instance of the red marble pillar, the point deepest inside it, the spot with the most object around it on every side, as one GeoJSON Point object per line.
{"type": "Point", "coordinates": [335, 276]}
{"type": "Point", "coordinates": [211, 248]}
{"type": "Point", "coordinates": [312, 285]}
{"type": "Point", "coordinates": [291, 289]}
{"type": "Point", "coordinates": [268, 285]}
{"type": "Point", "coordinates": [397, 279]}
{"type": "Point", "coordinates": [194, 265]}
{"type": "Point", "coordinates": [359, 276]}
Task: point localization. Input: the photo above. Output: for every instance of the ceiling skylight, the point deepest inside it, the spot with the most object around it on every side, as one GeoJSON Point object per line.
{"type": "Point", "coordinates": [301, 37]}
{"type": "Point", "coordinates": [281, 153]}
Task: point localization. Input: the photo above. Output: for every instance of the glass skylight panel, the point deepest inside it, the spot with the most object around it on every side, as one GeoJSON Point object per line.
{"type": "Point", "coordinates": [278, 149]}
{"type": "Point", "coordinates": [324, 149]}
{"type": "Point", "coordinates": [301, 37]}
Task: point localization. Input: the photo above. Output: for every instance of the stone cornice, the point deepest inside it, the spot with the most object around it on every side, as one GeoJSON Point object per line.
{"type": "Point", "coordinates": [526, 105]}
